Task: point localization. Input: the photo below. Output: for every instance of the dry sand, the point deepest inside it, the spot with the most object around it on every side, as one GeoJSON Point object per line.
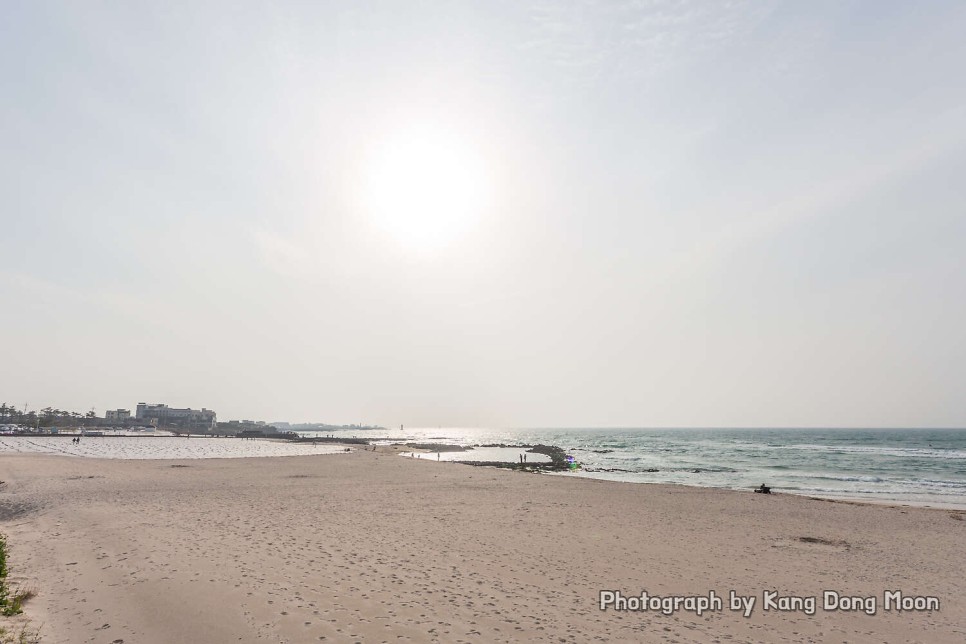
{"type": "Point", "coordinates": [377, 548]}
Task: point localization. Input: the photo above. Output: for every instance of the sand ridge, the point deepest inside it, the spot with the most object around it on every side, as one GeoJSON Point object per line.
{"type": "Point", "coordinates": [368, 546]}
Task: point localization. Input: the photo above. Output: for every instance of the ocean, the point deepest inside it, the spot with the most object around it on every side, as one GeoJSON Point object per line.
{"type": "Point", "coordinates": [920, 466]}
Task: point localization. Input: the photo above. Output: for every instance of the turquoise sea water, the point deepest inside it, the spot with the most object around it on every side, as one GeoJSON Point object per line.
{"type": "Point", "coordinates": [905, 465]}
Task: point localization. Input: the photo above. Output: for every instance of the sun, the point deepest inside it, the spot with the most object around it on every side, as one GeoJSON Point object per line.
{"type": "Point", "coordinates": [426, 188]}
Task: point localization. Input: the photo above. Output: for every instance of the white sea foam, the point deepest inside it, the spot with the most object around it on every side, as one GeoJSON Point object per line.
{"type": "Point", "coordinates": [899, 452]}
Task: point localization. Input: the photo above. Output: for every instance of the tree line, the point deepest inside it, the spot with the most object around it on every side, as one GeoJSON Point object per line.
{"type": "Point", "coordinates": [46, 417]}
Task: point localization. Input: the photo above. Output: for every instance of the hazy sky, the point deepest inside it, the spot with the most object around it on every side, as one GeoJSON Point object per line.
{"type": "Point", "coordinates": [491, 213]}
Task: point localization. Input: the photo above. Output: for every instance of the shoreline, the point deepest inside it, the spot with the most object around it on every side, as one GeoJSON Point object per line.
{"type": "Point", "coordinates": [355, 443]}
{"type": "Point", "coordinates": [922, 505]}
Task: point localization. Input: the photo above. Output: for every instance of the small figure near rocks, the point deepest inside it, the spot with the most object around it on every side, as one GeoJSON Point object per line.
{"type": "Point", "coordinates": [762, 489]}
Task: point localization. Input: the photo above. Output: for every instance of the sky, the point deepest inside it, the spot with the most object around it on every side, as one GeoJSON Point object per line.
{"type": "Point", "coordinates": [503, 214]}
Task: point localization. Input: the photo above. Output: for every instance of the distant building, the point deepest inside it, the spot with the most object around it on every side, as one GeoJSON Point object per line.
{"type": "Point", "coordinates": [117, 415]}
{"type": "Point", "coordinates": [174, 418]}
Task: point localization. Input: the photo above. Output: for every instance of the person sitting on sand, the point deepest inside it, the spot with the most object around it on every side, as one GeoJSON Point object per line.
{"type": "Point", "coordinates": [763, 489]}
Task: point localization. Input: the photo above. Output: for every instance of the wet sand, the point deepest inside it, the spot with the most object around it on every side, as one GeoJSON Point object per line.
{"type": "Point", "coordinates": [372, 547]}
{"type": "Point", "coordinates": [161, 447]}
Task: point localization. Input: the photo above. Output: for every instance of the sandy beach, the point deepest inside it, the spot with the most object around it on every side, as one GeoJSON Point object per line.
{"type": "Point", "coordinates": [371, 547]}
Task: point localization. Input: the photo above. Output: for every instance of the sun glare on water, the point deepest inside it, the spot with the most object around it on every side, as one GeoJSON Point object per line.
{"type": "Point", "coordinates": [425, 188]}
